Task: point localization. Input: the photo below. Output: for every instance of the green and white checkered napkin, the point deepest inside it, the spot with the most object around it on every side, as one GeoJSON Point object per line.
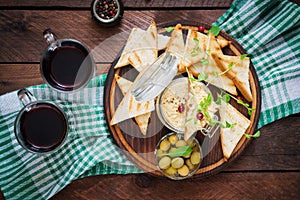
{"type": "Point", "coordinates": [268, 30]}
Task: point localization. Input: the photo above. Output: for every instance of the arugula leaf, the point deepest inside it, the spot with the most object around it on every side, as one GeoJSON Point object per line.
{"type": "Point", "coordinates": [202, 76]}
{"type": "Point", "coordinates": [243, 56]}
{"type": "Point", "coordinates": [169, 29]}
{"type": "Point", "coordinates": [215, 30]}
{"type": "Point", "coordinates": [204, 61]}
{"type": "Point", "coordinates": [181, 151]}
{"type": "Point", "coordinates": [255, 135]}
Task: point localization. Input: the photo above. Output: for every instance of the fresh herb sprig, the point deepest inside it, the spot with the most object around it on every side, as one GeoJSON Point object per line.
{"type": "Point", "coordinates": [255, 135]}
{"type": "Point", "coordinates": [181, 151]}
{"type": "Point", "coordinates": [215, 30]}
{"type": "Point", "coordinates": [169, 29]}
{"type": "Point", "coordinates": [226, 98]}
{"type": "Point", "coordinates": [196, 50]}
{"type": "Point", "coordinates": [201, 77]}
{"type": "Point", "coordinates": [229, 67]}
{"type": "Point", "coordinates": [204, 61]}
{"type": "Point", "coordinates": [243, 56]}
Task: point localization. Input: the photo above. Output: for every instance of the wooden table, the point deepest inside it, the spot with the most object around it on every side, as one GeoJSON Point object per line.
{"type": "Point", "coordinates": [268, 169]}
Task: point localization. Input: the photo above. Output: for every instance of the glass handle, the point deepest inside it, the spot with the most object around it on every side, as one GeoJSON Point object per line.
{"type": "Point", "coordinates": [25, 96]}
{"type": "Point", "coordinates": [50, 38]}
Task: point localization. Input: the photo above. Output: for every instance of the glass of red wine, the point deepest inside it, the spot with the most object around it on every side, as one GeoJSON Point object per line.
{"type": "Point", "coordinates": [41, 126]}
{"type": "Point", "coordinates": [66, 64]}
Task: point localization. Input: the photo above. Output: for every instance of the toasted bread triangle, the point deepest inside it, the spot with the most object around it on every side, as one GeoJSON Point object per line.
{"type": "Point", "coordinates": [239, 72]}
{"type": "Point", "coordinates": [176, 42]}
{"type": "Point", "coordinates": [211, 67]}
{"type": "Point", "coordinates": [231, 136]}
{"type": "Point", "coordinates": [196, 94]}
{"type": "Point", "coordinates": [142, 120]}
{"type": "Point", "coordinates": [145, 51]}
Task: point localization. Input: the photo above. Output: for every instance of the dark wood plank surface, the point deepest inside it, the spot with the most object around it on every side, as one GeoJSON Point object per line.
{"type": "Point", "coordinates": [268, 168]}
{"type": "Point", "coordinates": [127, 3]}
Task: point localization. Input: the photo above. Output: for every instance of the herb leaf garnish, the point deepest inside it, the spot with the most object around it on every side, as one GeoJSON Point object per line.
{"type": "Point", "coordinates": [215, 30]}
{"type": "Point", "coordinates": [255, 135]}
{"type": "Point", "coordinates": [229, 67]}
{"type": "Point", "coordinates": [169, 29]}
{"type": "Point", "coordinates": [204, 61]}
{"type": "Point", "coordinates": [243, 56]}
{"type": "Point", "coordinates": [225, 98]}
{"type": "Point", "coordinates": [196, 40]}
{"type": "Point", "coordinates": [181, 151]}
{"type": "Point", "coordinates": [246, 105]}
{"type": "Point", "coordinates": [202, 76]}
{"type": "Point", "coordinates": [196, 50]}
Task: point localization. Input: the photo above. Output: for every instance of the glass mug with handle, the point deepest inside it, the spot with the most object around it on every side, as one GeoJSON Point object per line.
{"type": "Point", "coordinates": [66, 64]}
{"type": "Point", "coordinates": [41, 126]}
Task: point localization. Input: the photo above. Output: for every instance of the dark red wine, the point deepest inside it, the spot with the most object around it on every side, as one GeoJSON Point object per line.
{"type": "Point", "coordinates": [43, 127]}
{"type": "Point", "coordinates": [68, 67]}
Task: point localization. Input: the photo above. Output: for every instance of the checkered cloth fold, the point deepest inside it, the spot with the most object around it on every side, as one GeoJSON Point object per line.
{"type": "Point", "coordinates": [270, 33]}
{"type": "Point", "coordinates": [268, 30]}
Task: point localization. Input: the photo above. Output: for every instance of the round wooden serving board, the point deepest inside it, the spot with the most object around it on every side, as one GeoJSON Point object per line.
{"type": "Point", "coordinates": [140, 149]}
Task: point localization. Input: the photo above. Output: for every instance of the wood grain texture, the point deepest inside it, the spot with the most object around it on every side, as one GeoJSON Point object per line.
{"type": "Point", "coordinates": [268, 169]}
{"type": "Point", "coordinates": [12, 76]}
{"type": "Point", "coordinates": [224, 186]}
{"type": "Point", "coordinates": [22, 30]}
{"type": "Point", "coordinates": [127, 3]}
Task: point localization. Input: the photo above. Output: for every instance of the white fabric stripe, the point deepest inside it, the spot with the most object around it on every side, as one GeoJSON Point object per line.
{"type": "Point", "coordinates": [265, 83]}
{"type": "Point", "coordinates": [267, 31]}
{"type": "Point", "coordinates": [294, 92]}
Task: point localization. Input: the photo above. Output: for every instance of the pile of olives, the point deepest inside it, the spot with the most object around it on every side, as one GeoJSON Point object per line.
{"type": "Point", "coordinates": [177, 167]}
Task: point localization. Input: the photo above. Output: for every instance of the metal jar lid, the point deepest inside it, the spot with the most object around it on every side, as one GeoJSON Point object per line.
{"type": "Point", "coordinates": [107, 12]}
{"type": "Point", "coordinates": [155, 78]}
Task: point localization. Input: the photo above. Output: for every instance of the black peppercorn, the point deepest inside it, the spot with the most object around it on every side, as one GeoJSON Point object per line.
{"type": "Point", "coordinates": [107, 12]}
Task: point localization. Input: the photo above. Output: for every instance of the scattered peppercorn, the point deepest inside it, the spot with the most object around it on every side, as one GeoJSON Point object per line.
{"type": "Point", "coordinates": [107, 9]}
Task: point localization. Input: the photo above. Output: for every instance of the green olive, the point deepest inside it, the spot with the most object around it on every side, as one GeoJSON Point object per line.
{"type": "Point", "coordinates": [164, 163]}
{"type": "Point", "coordinates": [173, 139]}
{"type": "Point", "coordinates": [189, 164]}
{"type": "Point", "coordinates": [171, 171]}
{"type": "Point", "coordinates": [180, 143]}
{"type": "Point", "coordinates": [164, 145]}
{"type": "Point", "coordinates": [196, 149]}
{"type": "Point", "coordinates": [160, 153]}
{"type": "Point", "coordinates": [183, 171]}
{"type": "Point", "coordinates": [177, 162]}
{"type": "Point", "coordinates": [191, 143]}
{"type": "Point", "coordinates": [195, 158]}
